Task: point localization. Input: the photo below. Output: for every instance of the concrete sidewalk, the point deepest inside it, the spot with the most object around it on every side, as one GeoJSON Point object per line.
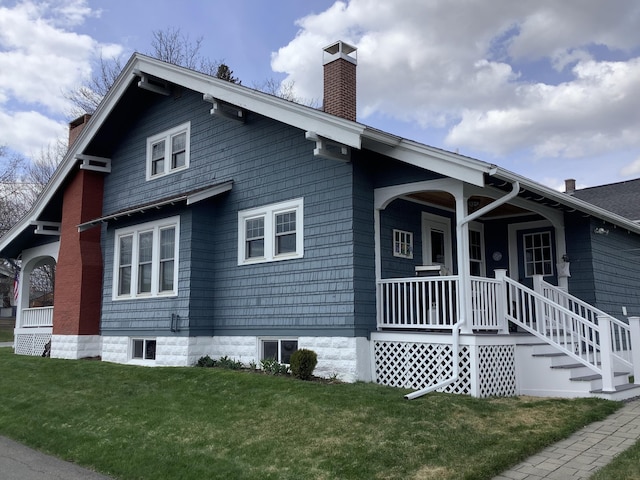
{"type": "Point", "coordinates": [18, 462]}
{"type": "Point", "coordinates": [584, 452]}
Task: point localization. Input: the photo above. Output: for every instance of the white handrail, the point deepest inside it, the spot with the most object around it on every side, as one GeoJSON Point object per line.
{"type": "Point", "coordinates": [620, 332]}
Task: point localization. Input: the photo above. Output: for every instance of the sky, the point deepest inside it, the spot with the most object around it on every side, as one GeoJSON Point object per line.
{"type": "Point", "coordinates": [548, 89]}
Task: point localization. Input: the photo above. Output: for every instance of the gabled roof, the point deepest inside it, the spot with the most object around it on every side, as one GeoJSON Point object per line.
{"type": "Point", "coordinates": [318, 123]}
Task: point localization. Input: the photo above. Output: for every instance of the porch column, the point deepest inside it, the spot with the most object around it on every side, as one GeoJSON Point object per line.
{"type": "Point", "coordinates": [634, 326]}
{"type": "Point", "coordinates": [464, 272]}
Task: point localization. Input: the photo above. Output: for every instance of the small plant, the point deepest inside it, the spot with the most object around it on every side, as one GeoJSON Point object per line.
{"type": "Point", "coordinates": [273, 367]}
{"type": "Point", "coordinates": [229, 363]}
{"type": "Point", "coordinates": [303, 362]}
{"type": "Point", "coordinates": [206, 362]}
{"type": "Point", "coordinates": [253, 365]}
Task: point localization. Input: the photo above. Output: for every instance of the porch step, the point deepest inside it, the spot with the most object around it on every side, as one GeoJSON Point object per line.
{"type": "Point", "coordinates": [568, 378]}
{"type": "Point", "coordinates": [622, 392]}
{"type": "Point", "coordinates": [596, 376]}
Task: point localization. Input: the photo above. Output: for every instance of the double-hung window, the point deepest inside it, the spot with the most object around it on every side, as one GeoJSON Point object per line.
{"type": "Point", "coordinates": [168, 151]}
{"type": "Point", "coordinates": [145, 259]}
{"type": "Point", "coordinates": [271, 233]}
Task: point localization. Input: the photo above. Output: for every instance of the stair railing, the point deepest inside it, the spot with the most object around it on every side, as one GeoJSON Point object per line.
{"type": "Point", "coordinates": [619, 331]}
{"type": "Point", "coordinates": [570, 333]}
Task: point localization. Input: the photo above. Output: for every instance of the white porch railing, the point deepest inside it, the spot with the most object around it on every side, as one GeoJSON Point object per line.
{"type": "Point", "coordinates": [620, 332]}
{"type": "Point", "coordinates": [37, 317]}
{"type": "Point", "coordinates": [417, 303]}
{"type": "Point", "coordinates": [486, 304]}
{"type": "Point", "coordinates": [432, 303]}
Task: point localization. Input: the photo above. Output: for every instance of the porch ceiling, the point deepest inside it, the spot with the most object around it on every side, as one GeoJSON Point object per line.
{"type": "Point", "coordinates": [446, 200]}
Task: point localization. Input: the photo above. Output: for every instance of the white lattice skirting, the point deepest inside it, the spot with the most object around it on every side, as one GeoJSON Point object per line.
{"type": "Point", "coordinates": [31, 344]}
{"type": "Point", "coordinates": [484, 370]}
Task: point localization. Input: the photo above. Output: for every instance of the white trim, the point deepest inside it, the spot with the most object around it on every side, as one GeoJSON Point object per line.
{"type": "Point", "coordinates": [166, 136]}
{"type": "Point", "coordinates": [134, 231]}
{"type": "Point", "coordinates": [408, 237]}
{"type": "Point", "coordinates": [513, 229]}
{"type": "Point", "coordinates": [131, 360]}
{"type": "Point", "coordinates": [269, 213]}
{"type": "Point", "coordinates": [260, 346]}
{"type": "Point", "coordinates": [479, 227]}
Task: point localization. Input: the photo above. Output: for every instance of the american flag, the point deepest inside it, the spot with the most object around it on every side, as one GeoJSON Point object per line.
{"type": "Point", "coordinates": [16, 285]}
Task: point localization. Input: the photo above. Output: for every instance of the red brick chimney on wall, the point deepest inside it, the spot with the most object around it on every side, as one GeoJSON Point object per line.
{"type": "Point", "coordinates": [76, 126]}
{"type": "Point", "coordinates": [339, 61]}
{"type": "Point", "coordinates": [78, 288]}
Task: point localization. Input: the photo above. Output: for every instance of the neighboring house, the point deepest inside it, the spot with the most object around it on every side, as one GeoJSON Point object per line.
{"type": "Point", "coordinates": [622, 198]}
{"type": "Point", "coordinates": [192, 216]}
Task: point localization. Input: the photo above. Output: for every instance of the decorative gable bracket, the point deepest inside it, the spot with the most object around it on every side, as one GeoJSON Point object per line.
{"type": "Point", "coordinates": [223, 109]}
{"type": "Point", "coordinates": [329, 149]}
{"type": "Point", "coordinates": [152, 84]}
{"type": "Point", "coordinates": [46, 228]}
{"type": "Point", "coordinates": [97, 164]}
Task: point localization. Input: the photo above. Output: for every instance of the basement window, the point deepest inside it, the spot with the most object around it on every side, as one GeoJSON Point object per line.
{"type": "Point", "coordinates": [278, 349]}
{"type": "Point", "coordinates": [143, 349]}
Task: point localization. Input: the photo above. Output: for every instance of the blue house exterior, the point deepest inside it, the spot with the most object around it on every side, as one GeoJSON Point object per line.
{"type": "Point", "coordinates": [230, 222]}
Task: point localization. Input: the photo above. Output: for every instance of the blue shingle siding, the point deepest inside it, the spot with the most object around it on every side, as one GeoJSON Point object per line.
{"type": "Point", "coordinates": [603, 267]}
{"type": "Point", "coordinates": [268, 163]}
{"type": "Point", "coordinates": [364, 250]}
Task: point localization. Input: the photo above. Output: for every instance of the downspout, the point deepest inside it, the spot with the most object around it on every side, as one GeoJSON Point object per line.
{"type": "Point", "coordinates": [456, 327]}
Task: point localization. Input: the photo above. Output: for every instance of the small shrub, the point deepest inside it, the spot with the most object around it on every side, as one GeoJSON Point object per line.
{"type": "Point", "coordinates": [206, 362]}
{"type": "Point", "coordinates": [303, 362]}
{"type": "Point", "coordinates": [229, 363]}
{"type": "Point", "coordinates": [273, 367]}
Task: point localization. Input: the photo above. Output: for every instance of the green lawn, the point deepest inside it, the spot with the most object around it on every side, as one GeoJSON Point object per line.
{"type": "Point", "coordinates": [6, 334]}
{"type": "Point", "coordinates": [194, 423]}
{"type": "Point", "coordinates": [624, 467]}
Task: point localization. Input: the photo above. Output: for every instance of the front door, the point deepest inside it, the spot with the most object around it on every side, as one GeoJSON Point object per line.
{"type": "Point", "coordinates": [436, 241]}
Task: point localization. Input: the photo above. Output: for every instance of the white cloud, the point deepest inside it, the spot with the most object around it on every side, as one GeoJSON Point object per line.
{"type": "Point", "coordinates": [465, 67]}
{"type": "Point", "coordinates": [632, 169]}
{"type": "Point", "coordinates": [29, 131]}
{"type": "Point", "coordinates": [40, 58]}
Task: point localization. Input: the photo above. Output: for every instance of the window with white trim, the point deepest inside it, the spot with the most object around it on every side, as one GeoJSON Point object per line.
{"type": "Point", "coordinates": [143, 349]}
{"type": "Point", "coordinates": [278, 349]}
{"type": "Point", "coordinates": [402, 244]}
{"type": "Point", "coordinates": [271, 233]}
{"type": "Point", "coordinates": [537, 254]}
{"type": "Point", "coordinates": [168, 151]}
{"type": "Point", "coordinates": [145, 259]}
{"type": "Point", "coordinates": [476, 251]}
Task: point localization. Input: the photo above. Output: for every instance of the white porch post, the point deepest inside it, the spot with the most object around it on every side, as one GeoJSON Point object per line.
{"type": "Point", "coordinates": [502, 307]}
{"type": "Point", "coordinates": [464, 273]}
{"type": "Point", "coordinates": [634, 326]}
{"type": "Point", "coordinates": [606, 362]}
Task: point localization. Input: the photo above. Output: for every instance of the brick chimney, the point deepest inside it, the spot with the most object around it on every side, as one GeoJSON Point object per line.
{"type": "Point", "coordinates": [76, 126]}
{"type": "Point", "coordinates": [340, 80]}
{"type": "Point", "coordinates": [569, 186]}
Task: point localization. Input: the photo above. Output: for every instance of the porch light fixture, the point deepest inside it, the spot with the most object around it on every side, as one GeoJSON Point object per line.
{"type": "Point", "coordinates": [601, 231]}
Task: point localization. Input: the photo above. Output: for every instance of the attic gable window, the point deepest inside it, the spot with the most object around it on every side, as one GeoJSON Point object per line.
{"type": "Point", "coordinates": [271, 233]}
{"type": "Point", "coordinates": [168, 151]}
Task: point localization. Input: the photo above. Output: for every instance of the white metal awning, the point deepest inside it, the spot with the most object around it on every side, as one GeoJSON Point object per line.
{"type": "Point", "coordinates": [189, 198]}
